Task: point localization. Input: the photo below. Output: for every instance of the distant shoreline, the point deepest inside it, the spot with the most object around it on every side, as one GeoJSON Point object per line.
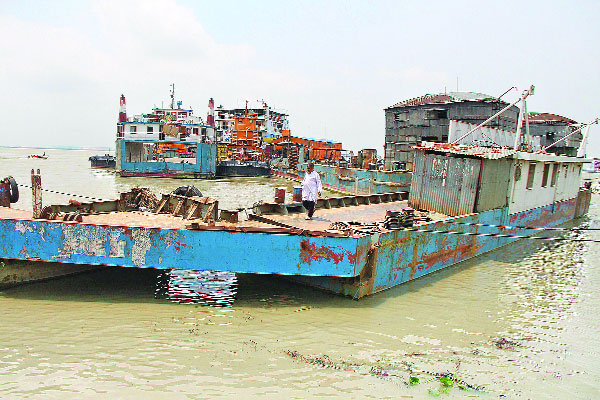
{"type": "Point", "coordinates": [59, 148]}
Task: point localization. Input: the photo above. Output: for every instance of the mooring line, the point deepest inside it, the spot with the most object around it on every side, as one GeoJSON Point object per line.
{"type": "Point", "coordinates": [66, 194]}
{"type": "Point", "coordinates": [499, 235]}
{"type": "Point", "coordinates": [523, 227]}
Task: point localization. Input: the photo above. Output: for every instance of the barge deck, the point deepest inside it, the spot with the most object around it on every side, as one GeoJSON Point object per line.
{"type": "Point", "coordinates": [475, 198]}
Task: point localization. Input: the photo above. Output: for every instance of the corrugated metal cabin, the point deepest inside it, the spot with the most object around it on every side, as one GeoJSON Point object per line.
{"type": "Point", "coordinates": [460, 180]}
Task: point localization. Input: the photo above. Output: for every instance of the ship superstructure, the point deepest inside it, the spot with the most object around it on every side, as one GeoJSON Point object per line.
{"type": "Point", "coordinates": [259, 123]}
{"type": "Point", "coordinates": [165, 142]}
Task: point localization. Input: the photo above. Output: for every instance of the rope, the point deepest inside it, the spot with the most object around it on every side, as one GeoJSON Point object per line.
{"type": "Point", "coordinates": [525, 227]}
{"type": "Point", "coordinates": [499, 235]}
{"type": "Point", "coordinates": [65, 194]}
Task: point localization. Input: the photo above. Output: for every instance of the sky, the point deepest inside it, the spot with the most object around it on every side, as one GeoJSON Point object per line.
{"type": "Point", "coordinates": [333, 66]}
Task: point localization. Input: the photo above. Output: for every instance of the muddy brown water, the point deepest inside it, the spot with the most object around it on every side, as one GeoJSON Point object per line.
{"type": "Point", "coordinates": [521, 322]}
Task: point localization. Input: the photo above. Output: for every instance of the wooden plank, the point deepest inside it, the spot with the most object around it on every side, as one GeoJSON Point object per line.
{"type": "Point", "coordinates": [178, 206]}
{"type": "Point", "coordinates": [162, 203]}
{"type": "Point", "coordinates": [209, 212]}
{"type": "Point", "coordinates": [192, 210]}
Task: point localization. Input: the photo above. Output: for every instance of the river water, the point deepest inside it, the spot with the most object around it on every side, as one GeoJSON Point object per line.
{"type": "Point", "coordinates": [521, 322]}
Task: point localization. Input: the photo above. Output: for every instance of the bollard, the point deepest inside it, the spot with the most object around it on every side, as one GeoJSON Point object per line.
{"type": "Point", "coordinates": [4, 193]}
{"type": "Point", "coordinates": [297, 194]}
{"type": "Point", "coordinates": [280, 195]}
{"type": "Point", "coordinates": [36, 193]}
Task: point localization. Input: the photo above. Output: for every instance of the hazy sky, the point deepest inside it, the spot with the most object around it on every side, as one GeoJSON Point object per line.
{"type": "Point", "coordinates": [332, 65]}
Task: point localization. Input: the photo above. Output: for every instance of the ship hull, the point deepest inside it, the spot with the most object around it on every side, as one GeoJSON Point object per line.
{"type": "Point", "coordinates": [354, 266]}
{"type": "Point", "coordinates": [401, 256]}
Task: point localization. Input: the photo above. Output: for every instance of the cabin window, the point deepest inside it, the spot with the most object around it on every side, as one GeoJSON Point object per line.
{"type": "Point", "coordinates": [436, 114]}
{"type": "Point", "coordinates": [150, 130]}
{"type": "Point", "coordinates": [554, 174]}
{"type": "Point", "coordinates": [531, 176]}
{"type": "Point", "coordinates": [401, 116]}
{"type": "Point", "coordinates": [132, 129]}
{"type": "Point", "coordinates": [545, 175]}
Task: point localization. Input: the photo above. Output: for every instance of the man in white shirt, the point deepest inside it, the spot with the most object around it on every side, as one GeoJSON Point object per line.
{"type": "Point", "coordinates": [311, 189]}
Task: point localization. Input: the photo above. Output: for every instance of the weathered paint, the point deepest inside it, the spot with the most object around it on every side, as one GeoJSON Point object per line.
{"type": "Point", "coordinates": [583, 202]}
{"type": "Point", "coordinates": [242, 252]}
{"type": "Point", "coordinates": [4, 193]}
{"type": "Point", "coordinates": [36, 193]}
{"type": "Point", "coordinates": [205, 165]}
{"type": "Point", "coordinates": [549, 215]}
{"type": "Point", "coordinates": [401, 256]}
{"type": "Point", "coordinates": [353, 266]}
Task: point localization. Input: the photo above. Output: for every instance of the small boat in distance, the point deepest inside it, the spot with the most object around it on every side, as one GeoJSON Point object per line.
{"type": "Point", "coordinates": [43, 156]}
{"type": "Point", "coordinates": [105, 161]}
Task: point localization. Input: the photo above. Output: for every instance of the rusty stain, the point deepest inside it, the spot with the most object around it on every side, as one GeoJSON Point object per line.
{"type": "Point", "coordinates": [310, 252]}
{"type": "Point", "coordinates": [413, 269]}
{"type": "Point", "coordinates": [461, 252]}
{"type": "Point", "coordinates": [369, 272]}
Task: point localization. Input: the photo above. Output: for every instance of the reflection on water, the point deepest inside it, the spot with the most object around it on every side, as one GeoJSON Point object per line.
{"type": "Point", "coordinates": [210, 288]}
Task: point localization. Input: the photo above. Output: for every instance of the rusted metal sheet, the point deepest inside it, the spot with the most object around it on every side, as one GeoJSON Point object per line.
{"type": "Point", "coordinates": [583, 202]}
{"type": "Point", "coordinates": [4, 193]}
{"type": "Point", "coordinates": [218, 250]}
{"type": "Point", "coordinates": [447, 185]}
{"type": "Point", "coordinates": [36, 197]}
{"type": "Point", "coordinates": [400, 256]}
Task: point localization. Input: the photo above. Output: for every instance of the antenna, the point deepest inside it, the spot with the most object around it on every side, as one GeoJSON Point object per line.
{"type": "Point", "coordinates": [514, 87]}
{"type": "Point", "coordinates": [172, 95]}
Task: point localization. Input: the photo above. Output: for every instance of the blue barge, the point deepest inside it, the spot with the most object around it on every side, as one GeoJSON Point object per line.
{"type": "Point", "coordinates": [349, 249]}
{"type": "Point", "coordinates": [352, 180]}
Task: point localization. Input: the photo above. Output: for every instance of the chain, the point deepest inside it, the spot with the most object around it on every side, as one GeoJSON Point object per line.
{"type": "Point", "coordinates": [63, 193]}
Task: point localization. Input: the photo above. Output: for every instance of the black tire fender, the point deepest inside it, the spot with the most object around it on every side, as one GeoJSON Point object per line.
{"type": "Point", "coordinates": [187, 191]}
{"type": "Point", "coordinates": [14, 189]}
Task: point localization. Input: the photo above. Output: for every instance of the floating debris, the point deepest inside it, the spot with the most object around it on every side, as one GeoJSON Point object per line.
{"type": "Point", "coordinates": [504, 343]}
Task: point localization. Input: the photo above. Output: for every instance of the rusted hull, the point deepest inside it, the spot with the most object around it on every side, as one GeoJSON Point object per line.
{"type": "Point", "coordinates": [401, 256]}
{"type": "Point", "coordinates": [352, 266]}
